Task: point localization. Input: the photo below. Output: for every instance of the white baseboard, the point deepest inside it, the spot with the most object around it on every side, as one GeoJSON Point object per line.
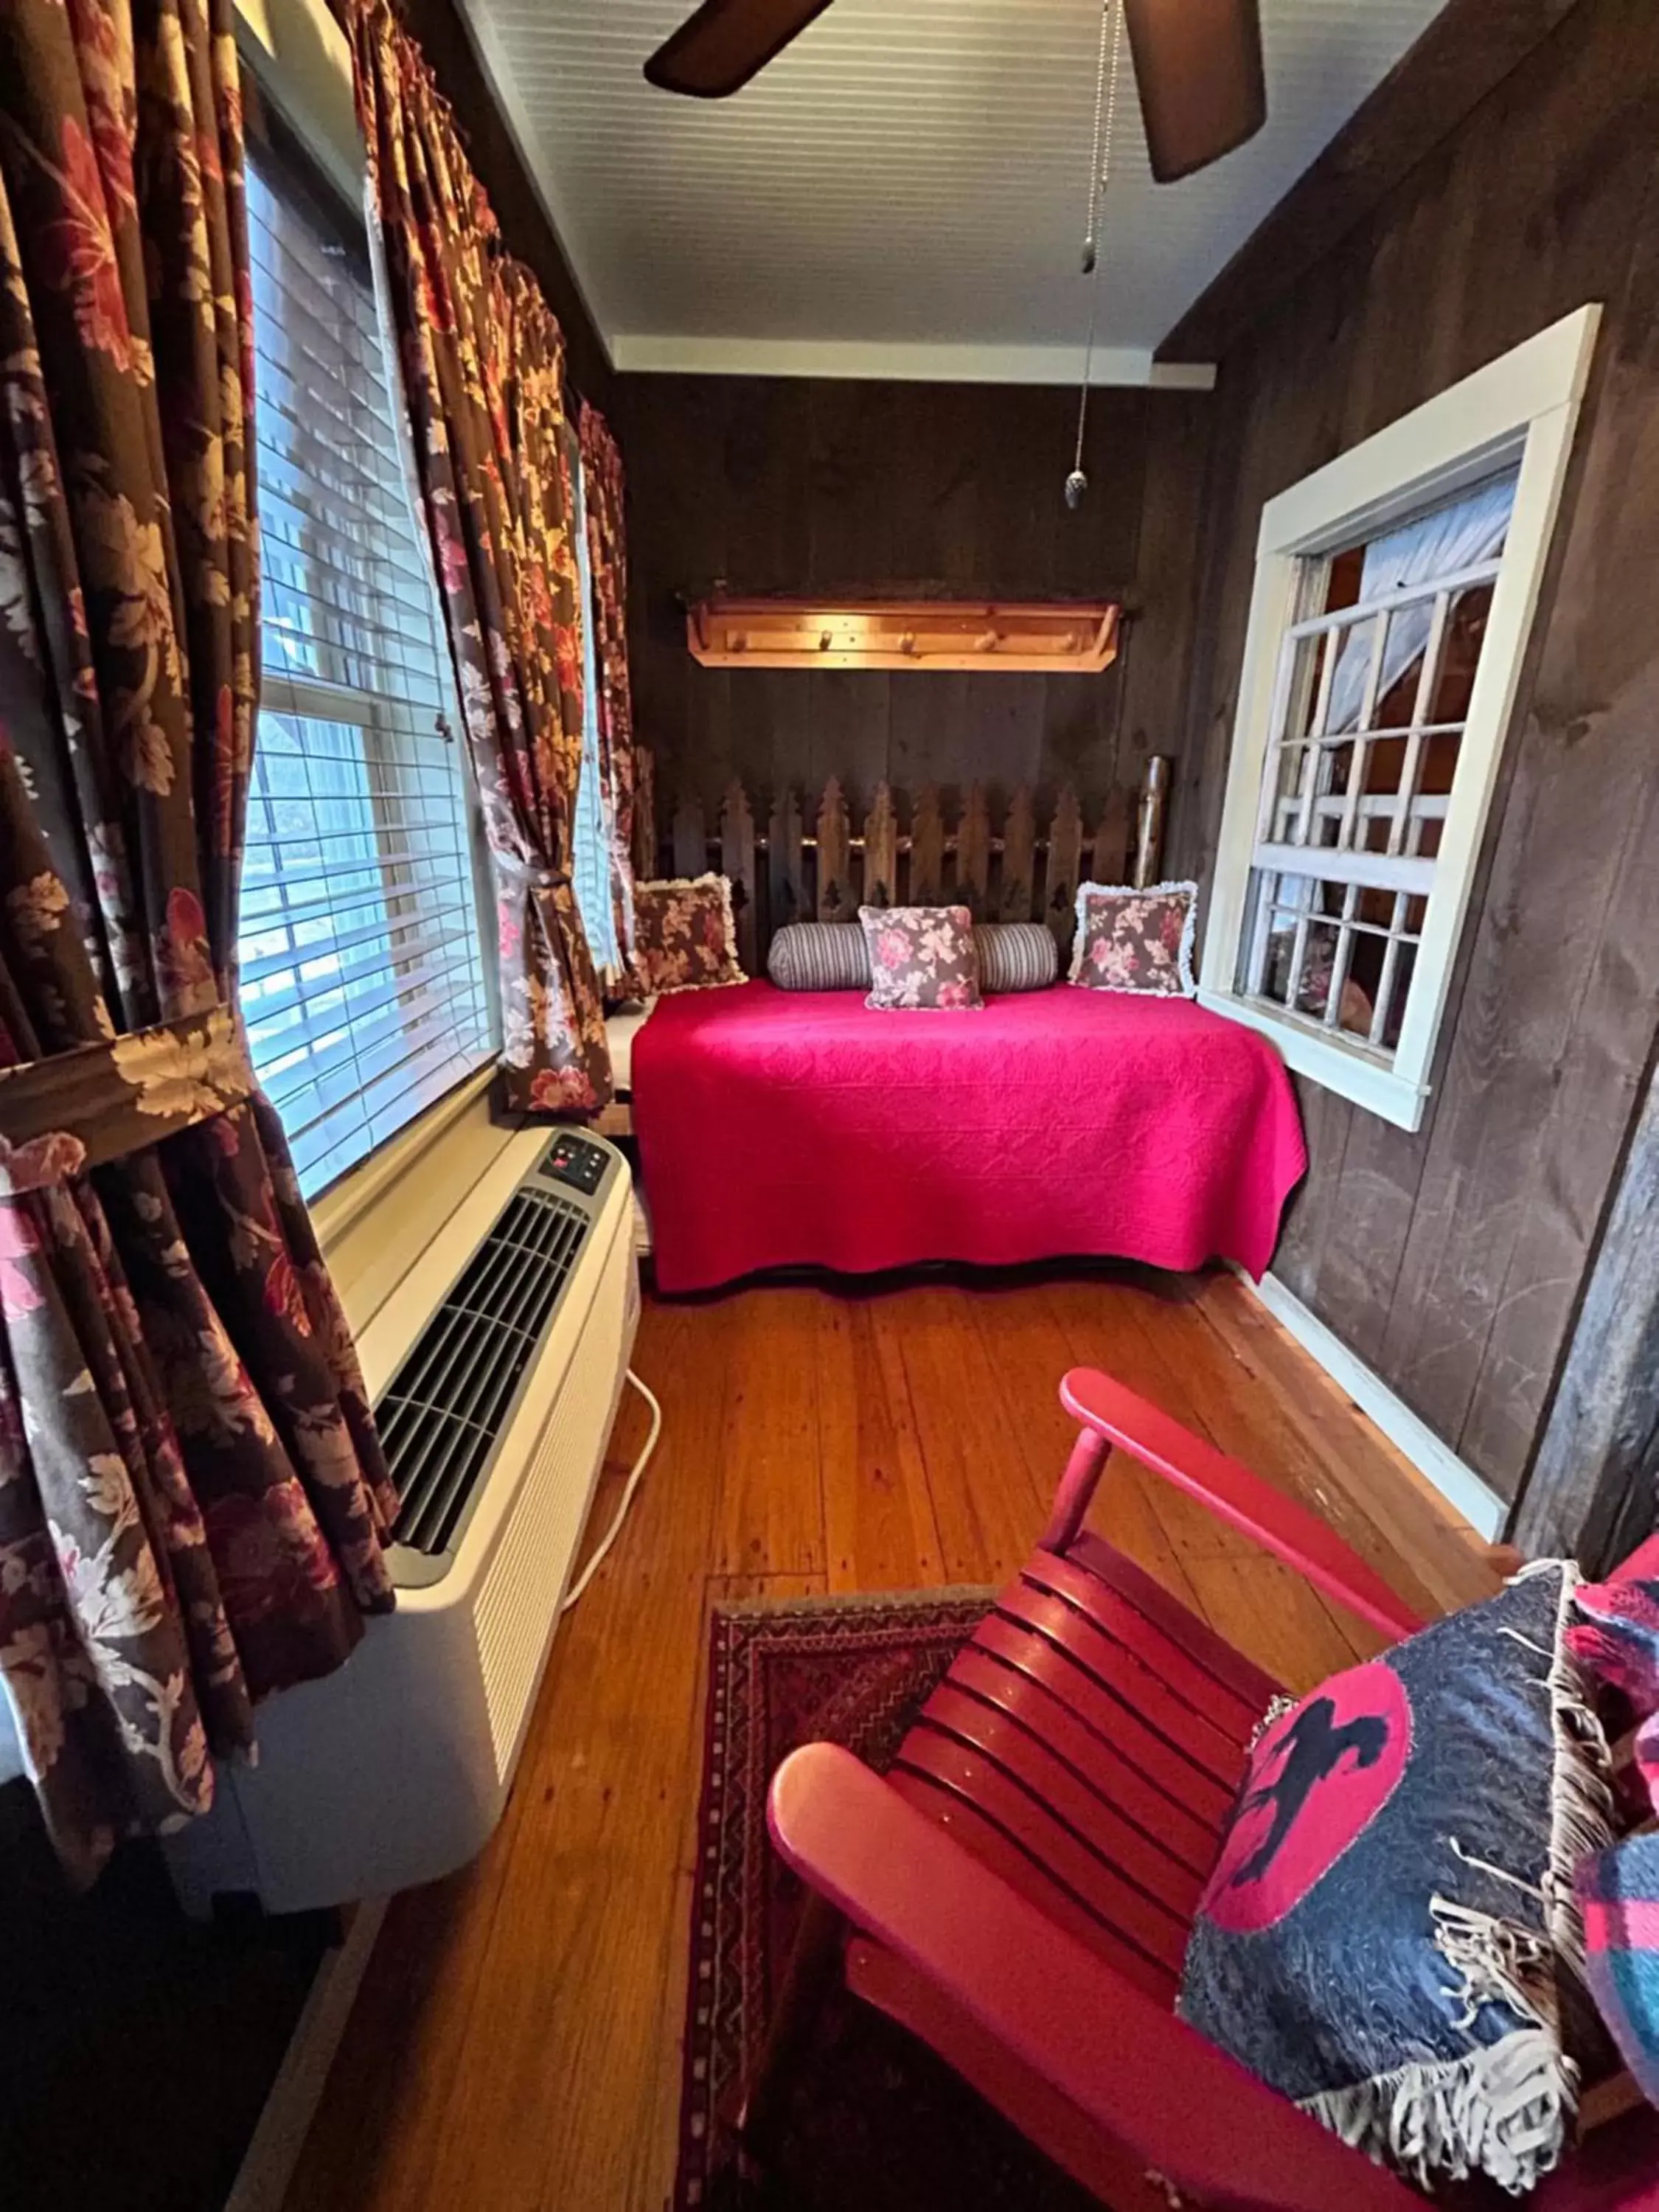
{"type": "Point", "coordinates": [1434, 1460]}
{"type": "Point", "coordinates": [261, 2180]}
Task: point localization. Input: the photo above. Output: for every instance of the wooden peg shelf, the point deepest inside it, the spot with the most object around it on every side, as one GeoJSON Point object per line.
{"type": "Point", "coordinates": [1030, 638]}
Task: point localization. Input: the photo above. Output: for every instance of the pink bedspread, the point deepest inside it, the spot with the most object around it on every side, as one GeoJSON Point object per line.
{"type": "Point", "coordinates": [803, 1130]}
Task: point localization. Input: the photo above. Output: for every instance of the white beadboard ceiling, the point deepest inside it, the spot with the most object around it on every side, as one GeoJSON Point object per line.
{"type": "Point", "coordinates": [901, 192]}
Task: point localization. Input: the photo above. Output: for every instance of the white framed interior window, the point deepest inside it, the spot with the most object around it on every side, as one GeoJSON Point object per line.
{"type": "Point", "coordinates": [365, 987]}
{"type": "Point", "coordinates": [1394, 590]}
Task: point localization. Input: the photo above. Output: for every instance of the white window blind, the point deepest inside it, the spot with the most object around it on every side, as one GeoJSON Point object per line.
{"type": "Point", "coordinates": [362, 980]}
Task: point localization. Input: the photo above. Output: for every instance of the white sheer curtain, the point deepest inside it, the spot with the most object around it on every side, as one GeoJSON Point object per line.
{"type": "Point", "coordinates": [1451, 539]}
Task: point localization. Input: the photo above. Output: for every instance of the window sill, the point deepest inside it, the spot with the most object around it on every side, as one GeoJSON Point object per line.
{"type": "Point", "coordinates": [345, 1202]}
{"type": "Point", "coordinates": [1329, 1061]}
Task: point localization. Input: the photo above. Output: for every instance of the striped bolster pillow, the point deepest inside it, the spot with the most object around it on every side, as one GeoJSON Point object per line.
{"type": "Point", "coordinates": [833, 956]}
{"type": "Point", "coordinates": [1016, 956]}
{"type": "Point", "coordinates": [819, 956]}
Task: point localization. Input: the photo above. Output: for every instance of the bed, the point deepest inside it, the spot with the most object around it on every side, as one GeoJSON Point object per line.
{"type": "Point", "coordinates": [621, 1029]}
{"type": "Point", "coordinates": [789, 1129]}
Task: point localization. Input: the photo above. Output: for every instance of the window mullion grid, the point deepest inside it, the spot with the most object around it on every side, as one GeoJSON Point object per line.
{"type": "Point", "coordinates": [1388, 602]}
{"type": "Point", "coordinates": [1261, 933]}
{"type": "Point", "coordinates": [1428, 676]}
{"type": "Point", "coordinates": [1390, 968]}
{"type": "Point", "coordinates": [1308, 892]}
{"type": "Point", "coordinates": [1339, 966]}
{"type": "Point", "coordinates": [1409, 872]}
{"type": "Point", "coordinates": [1278, 719]}
{"type": "Point", "coordinates": [1313, 766]}
{"type": "Point", "coordinates": [1357, 766]}
{"type": "Point", "coordinates": [314, 699]}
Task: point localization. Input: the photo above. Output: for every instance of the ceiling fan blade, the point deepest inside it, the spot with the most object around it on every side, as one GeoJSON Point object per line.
{"type": "Point", "coordinates": [1198, 64]}
{"type": "Point", "coordinates": [717, 51]}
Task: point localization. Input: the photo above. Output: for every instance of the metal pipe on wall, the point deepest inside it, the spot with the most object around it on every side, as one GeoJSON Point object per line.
{"type": "Point", "coordinates": [1149, 820]}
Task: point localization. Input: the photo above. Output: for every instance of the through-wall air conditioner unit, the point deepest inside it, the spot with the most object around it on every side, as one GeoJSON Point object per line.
{"type": "Point", "coordinates": [495, 1366]}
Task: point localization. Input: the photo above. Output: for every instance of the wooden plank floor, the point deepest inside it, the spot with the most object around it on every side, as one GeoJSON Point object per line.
{"type": "Point", "coordinates": [515, 2045]}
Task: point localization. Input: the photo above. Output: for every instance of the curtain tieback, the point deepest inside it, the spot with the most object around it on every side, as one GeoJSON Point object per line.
{"type": "Point", "coordinates": [78, 1109]}
{"type": "Point", "coordinates": [529, 875]}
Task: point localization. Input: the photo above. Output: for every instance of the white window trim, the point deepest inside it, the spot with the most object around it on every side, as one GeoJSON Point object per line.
{"type": "Point", "coordinates": [301, 56]}
{"type": "Point", "coordinates": [1523, 407]}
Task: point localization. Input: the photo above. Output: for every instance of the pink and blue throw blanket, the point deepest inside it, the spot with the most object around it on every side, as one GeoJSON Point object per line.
{"type": "Point", "coordinates": [1618, 1892]}
{"type": "Point", "coordinates": [1617, 1638]}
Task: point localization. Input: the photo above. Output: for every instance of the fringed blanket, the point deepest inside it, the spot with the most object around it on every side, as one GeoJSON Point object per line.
{"type": "Point", "coordinates": [1385, 1933]}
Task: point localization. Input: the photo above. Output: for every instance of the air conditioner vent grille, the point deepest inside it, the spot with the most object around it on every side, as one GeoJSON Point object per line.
{"type": "Point", "coordinates": [443, 1415]}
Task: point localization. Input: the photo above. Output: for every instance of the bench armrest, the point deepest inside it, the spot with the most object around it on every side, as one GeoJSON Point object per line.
{"type": "Point", "coordinates": [1116, 1415]}
{"type": "Point", "coordinates": [1135, 2072]}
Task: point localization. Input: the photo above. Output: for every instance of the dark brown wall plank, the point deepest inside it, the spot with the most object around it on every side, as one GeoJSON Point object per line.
{"type": "Point", "coordinates": [1452, 1259]}
{"type": "Point", "coordinates": [1019, 843]}
{"type": "Point", "coordinates": [927, 849]}
{"type": "Point", "coordinates": [776, 485]}
{"type": "Point", "coordinates": [1467, 50]}
{"type": "Point", "coordinates": [1593, 1488]}
{"type": "Point", "coordinates": [737, 867]}
{"type": "Point", "coordinates": [1064, 869]}
{"type": "Point", "coordinates": [783, 868]}
{"type": "Point", "coordinates": [690, 839]}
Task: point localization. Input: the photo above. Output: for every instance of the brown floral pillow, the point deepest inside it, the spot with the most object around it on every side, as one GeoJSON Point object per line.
{"type": "Point", "coordinates": [682, 935]}
{"type": "Point", "coordinates": [921, 957]}
{"type": "Point", "coordinates": [1136, 940]}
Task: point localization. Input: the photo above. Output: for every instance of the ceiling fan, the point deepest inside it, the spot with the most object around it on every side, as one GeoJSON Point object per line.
{"type": "Point", "coordinates": [1198, 64]}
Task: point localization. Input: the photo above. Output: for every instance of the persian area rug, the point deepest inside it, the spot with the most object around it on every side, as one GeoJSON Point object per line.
{"type": "Point", "coordinates": [875, 2122]}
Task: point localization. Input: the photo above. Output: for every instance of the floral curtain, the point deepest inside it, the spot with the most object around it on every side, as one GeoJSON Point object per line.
{"type": "Point", "coordinates": [482, 359]}
{"type": "Point", "coordinates": [192, 1498]}
{"type": "Point", "coordinates": [607, 554]}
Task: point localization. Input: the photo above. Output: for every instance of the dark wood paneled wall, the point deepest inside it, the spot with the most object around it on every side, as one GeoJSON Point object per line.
{"type": "Point", "coordinates": [790, 485]}
{"type": "Point", "coordinates": [1452, 1261]}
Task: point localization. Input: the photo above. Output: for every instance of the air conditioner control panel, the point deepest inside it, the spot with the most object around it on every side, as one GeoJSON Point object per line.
{"type": "Point", "coordinates": [573, 1159]}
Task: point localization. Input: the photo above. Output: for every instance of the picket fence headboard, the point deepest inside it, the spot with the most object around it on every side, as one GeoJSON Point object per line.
{"type": "Point", "coordinates": [804, 858]}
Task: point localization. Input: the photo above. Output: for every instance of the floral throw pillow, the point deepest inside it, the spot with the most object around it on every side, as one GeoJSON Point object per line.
{"type": "Point", "coordinates": [921, 957]}
{"type": "Point", "coordinates": [1136, 940]}
{"type": "Point", "coordinates": [682, 934]}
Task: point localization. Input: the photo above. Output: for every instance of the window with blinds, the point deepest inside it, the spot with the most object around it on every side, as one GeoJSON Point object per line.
{"type": "Point", "coordinates": [363, 986]}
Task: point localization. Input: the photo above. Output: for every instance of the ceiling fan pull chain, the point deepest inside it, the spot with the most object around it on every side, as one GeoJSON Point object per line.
{"type": "Point", "coordinates": [1094, 149]}
{"type": "Point", "coordinates": [1100, 170]}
